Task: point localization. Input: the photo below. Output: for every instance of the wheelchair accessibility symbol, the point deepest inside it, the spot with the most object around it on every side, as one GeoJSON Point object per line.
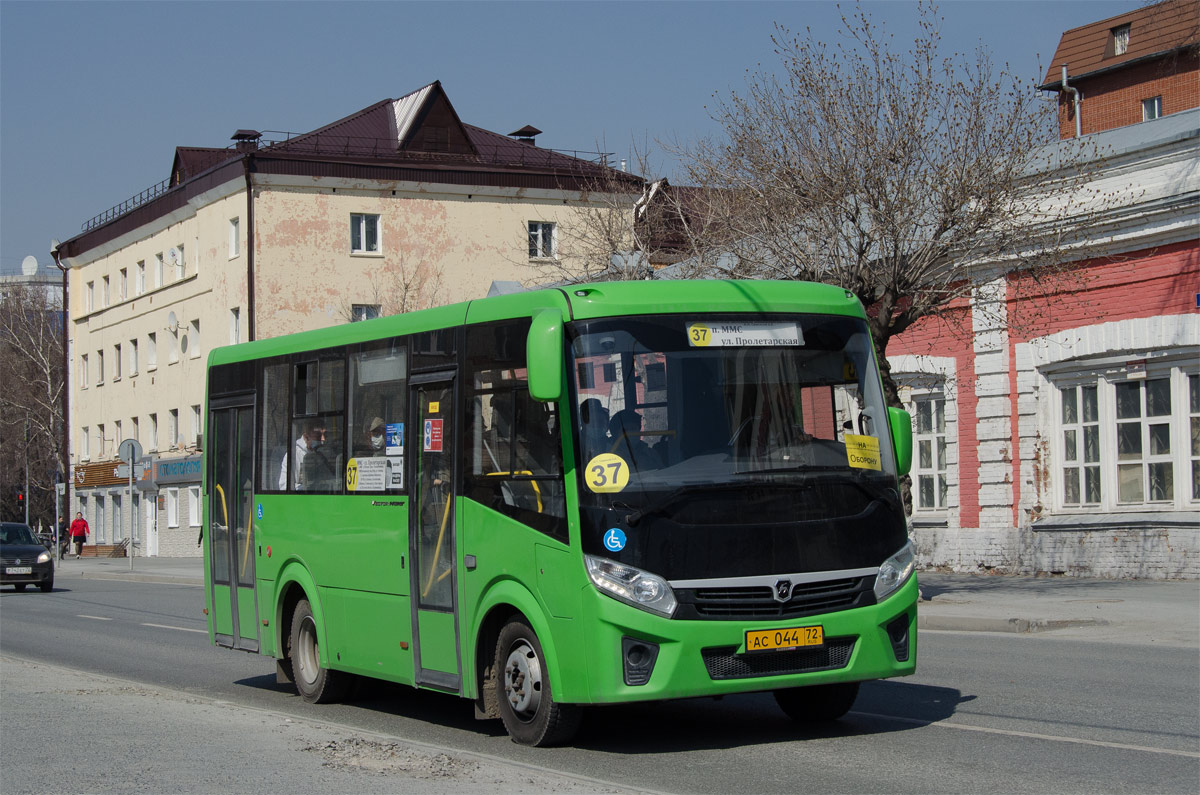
{"type": "Point", "coordinates": [614, 540]}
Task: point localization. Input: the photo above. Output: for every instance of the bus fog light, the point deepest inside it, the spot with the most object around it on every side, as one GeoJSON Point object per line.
{"type": "Point", "coordinates": [631, 585]}
{"type": "Point", "coordinates": [894, 572]}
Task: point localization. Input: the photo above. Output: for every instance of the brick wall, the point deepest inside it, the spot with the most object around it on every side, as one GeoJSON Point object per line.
{"type": "Point", "coordinates": [1115, 99]}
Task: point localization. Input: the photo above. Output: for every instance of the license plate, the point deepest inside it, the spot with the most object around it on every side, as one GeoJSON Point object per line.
{"type": "Point", "coordinates": [19, 570]}
{"type": "Point", "coordinates": [780, 639]}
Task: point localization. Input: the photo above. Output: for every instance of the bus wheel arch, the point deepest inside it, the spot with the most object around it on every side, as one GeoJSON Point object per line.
{"type": "Point", "coordinates": [316, 683]}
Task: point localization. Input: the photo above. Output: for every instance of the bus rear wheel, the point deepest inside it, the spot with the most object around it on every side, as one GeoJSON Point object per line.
{"type": "Point", "coordinates": [315, 684]}
{"type": "Point", "coordinates": [527, 706]}
{"type": "Point", "coordinates": [817, 703]}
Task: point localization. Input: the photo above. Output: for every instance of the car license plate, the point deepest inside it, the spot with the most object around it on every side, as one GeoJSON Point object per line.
{"type": "Point", "coordinates": [780, 639]}
{"type": "Point", "coordinates": [19, 570]}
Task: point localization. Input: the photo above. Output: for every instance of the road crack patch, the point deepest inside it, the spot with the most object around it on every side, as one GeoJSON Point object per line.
{"type": "Point", "coordinates": [384, 758]}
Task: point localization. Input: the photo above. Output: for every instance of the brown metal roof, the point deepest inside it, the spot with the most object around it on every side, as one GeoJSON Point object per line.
{"type": "Point", "coordinates": [1153, 30]}
{"type": "Point", "coordinates": [193, 160]}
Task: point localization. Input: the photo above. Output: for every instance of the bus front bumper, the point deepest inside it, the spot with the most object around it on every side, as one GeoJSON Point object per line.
{"type": "Point", "coordinates": [633, 655]}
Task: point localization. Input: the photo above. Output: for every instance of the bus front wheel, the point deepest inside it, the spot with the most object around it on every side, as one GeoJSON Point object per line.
{"type": "Point", "coordinates": [817, 703]}
{"type": "Point", "coordinates": [527, 706]}
{"type": "Point", "coordinates": [315, 684]}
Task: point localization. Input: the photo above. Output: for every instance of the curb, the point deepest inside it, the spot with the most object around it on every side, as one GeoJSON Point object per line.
{"type": "Point", "coordinates": [985, 624]}
{"type": "Point", "coordinates": [162, 579]}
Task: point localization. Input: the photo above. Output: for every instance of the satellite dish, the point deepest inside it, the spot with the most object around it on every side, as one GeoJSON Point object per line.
{"type": "Point", "coordinates": [29, 265]}
{"type": "Point", "coordinates": [172, 323]}
{"type": "Point", "coordinates": [173, 256]}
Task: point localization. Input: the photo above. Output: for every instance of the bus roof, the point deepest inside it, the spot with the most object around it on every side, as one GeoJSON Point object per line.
{"type": "Point", "coordinates": [576, 302]}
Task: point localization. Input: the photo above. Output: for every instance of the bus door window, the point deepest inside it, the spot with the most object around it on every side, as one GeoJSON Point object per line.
{"type": "Point", "coordinates": [435, 487]}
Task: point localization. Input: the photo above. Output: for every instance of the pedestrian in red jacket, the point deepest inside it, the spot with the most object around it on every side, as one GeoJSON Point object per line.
{"type": "Point", "coordinates": [79, 533]}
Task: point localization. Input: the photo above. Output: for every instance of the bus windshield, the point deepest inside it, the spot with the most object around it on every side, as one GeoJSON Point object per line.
{"type": "Point", "coordinates": [770, 431]}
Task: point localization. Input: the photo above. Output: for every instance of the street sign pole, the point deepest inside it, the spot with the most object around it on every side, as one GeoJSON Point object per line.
{"type": "Point", "coordinates": [129, 452]}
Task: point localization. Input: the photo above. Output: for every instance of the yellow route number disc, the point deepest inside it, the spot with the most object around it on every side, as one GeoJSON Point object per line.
{"type": "Point", "coordinates": [607, 473]}
{"type": "Point", "coordinates": [352, 475]}
{"type": "Point", "coordinates": [699, 335]}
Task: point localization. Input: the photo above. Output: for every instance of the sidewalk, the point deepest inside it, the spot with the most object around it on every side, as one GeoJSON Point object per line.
{"type": "Point", "coordinates": [1126, 611]}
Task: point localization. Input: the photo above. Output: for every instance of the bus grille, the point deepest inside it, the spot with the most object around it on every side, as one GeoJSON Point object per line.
{"type": "Point", "coordinates": [723, 663]}
{"type": "Point", "coordinates": [758, 602]}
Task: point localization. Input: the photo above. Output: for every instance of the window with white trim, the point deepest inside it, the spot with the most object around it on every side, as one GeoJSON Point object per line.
{"type": "Point", "coordinates": [151, 350]}
{"type": "Point", "coordinates": [1151, 108]}
{"type": "Point", "coordinates": [85, 442]}
{"type": "Point", "coordinates": [117, 362]}
{"type": "Point", "coordinates": [159, 268]}
{"type": "Point", "coordinates": [929, 468]}
{"type": "Point", "coordinates": [172, 507]}
{"type": "Point", "coordinates": [364, 233]}
{"type": "Point", "coordinates": [90, 297]}
{"type": "Point", "coordinates": [194, 339]}
{"type": "Point", "coordinates": [124, 284]}
{"type": "Point", "coordinates": [99, 367]}
{"type": "Point", "coordinates": [1129, 439]}
{"type": "Point", "coordinates": [105, 292]}
{"type": "Point", "coordinates": [542, 240]}
{"type": "Point", "coordinates": [195, 424]}
{"type": "Point", "coordinates": [153, 432]}
{"type": "Point", "coordinates": [235, 325]}
{"type": "Point", "coordinates": [133, 430]}
{"type": "Point", "coordinates": [133, 357]}
{"type": "Point", "coordinates": [180, 263]}
{"type": "Point", "coordinates": [194, 506]}
{"type": "Point", "coordinates": [235, 240]}
{"type": "Point", "coordinates": [141, 276]}
{"type": "Point", "coordinates": [1120, 40]}
{"type": "Point", "coordinates": [83, 371]}
{"type": "Point", "coordinates": [173, 428]}
{"type": "Point", "coordinates": [100, 440]}
{"type": "Point", "coordinates": [364, 312]}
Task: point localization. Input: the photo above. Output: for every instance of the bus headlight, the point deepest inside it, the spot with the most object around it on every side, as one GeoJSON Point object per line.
{"type": "Point", "coordinates": [631, 585]}
{"type": "Point", "coordinates": [894, 572]}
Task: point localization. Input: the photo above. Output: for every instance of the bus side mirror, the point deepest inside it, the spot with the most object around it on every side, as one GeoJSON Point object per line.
{"type": "Point", "coordinates": [901, 423]}
{"type": "Point", "coordinates": [544, 356]}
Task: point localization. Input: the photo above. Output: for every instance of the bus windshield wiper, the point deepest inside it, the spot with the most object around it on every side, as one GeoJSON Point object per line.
{"type": "Point", "coordinates": [657, 505]}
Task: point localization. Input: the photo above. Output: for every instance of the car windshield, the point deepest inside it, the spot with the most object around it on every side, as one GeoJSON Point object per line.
{"type": "Point", "coordinates": [13, 533]}
{"type": "Point", "coordinates": [729, 446]}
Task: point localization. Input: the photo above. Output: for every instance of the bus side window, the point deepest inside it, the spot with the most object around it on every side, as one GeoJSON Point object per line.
{"type": "Point", "coordinates": [275, 424]}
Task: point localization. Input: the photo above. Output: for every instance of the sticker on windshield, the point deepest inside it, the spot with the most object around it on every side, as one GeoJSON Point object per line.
{"type": "Point", "coordinates": [614, 540]}
{"type": "Point", "coordinates": [863, 452]}
{"type": "Point", "coordinates": [606, 473]}
{"type": "Point", "coordinates": [744, 335]}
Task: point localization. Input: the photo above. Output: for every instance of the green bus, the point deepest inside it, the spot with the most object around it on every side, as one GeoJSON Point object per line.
{"type": "Point", "coordinates": [596, 494]}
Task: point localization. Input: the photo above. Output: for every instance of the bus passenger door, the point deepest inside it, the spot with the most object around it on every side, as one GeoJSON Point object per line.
{"type": "Point", "coordinates": [433, 540]}
{"type": "Point", "coordinates": [230, 526]}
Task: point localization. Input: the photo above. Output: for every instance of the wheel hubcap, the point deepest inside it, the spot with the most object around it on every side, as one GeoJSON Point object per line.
{"type": "Point", "coordinates": [307, 655]}
{"type": "Point", "coordinates": [523, 680]}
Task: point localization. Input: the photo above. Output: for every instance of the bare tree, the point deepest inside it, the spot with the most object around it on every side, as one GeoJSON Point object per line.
{"type": "Point", "coordinates": [400, 285]}
{"type": "Point", "coordinates": [908, 178]}
{"type": "Point", "coordinates": [31, 372]}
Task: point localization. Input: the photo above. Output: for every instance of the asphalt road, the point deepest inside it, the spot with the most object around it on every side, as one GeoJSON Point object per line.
{"type": "Point", "coordinates": [986, 712]}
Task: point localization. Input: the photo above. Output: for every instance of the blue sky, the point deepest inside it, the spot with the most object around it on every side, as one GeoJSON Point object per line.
{"type": "Point", "coordinates": [95, 96]}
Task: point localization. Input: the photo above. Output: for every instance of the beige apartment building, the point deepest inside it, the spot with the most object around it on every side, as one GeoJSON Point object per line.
{"type": "Point", "coordinates": [394, 208]}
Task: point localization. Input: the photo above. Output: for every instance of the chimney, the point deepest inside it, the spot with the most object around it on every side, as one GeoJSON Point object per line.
{"type": "Point", "coordinates": [526, 134]}
{"type": "Point", "coordinates": [247, 140]}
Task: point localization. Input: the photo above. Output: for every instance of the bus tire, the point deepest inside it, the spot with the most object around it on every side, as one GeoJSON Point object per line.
{"type": "Point", "coordinates": [527, 706]}
{"type": "Point", "coordinates": [817, 703]}
{"type": "Point", "coordinates": [315, 684]}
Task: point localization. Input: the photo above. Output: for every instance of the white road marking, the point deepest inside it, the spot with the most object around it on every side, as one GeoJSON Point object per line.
{"type": "Point", "coordinates": [1034, 735]}
{"type": "Point", "coordinates": [95, 618]}
{"type": "Point", "coordinates": [181, 629]}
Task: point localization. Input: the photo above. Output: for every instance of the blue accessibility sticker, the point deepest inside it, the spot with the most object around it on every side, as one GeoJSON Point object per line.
{"type": "Point", "coordinates": [614, 540]}
{"type": "Point", "coordinates": [260, 511]}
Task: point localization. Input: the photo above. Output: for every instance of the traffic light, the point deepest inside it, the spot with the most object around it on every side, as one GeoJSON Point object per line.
{"type": "Point", "coordinates": [20, 499]}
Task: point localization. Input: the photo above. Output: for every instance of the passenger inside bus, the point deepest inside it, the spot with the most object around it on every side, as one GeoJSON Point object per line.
{"type": "Point", "coordinates": [371, 443]}
{"type": "Point", "coordinates": [626, 431]}
{"type": "Point", "coordinates": [594, 420]}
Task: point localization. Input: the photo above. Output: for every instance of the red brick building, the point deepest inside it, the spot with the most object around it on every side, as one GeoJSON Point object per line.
{"type": "Point", "coordinates": [1059, 430]}
{"type": "Point", "coordinates": [1130, 68]}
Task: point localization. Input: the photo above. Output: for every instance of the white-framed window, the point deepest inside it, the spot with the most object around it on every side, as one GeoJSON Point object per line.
{"type": "Point", "coordinates": [543, 240]}
{"type": "Point", "coordinates": [1120, 40]}
{"type": "Point", "coordinates": [173, 428]}
{"type": "Point", "coordinates": [100, 440]}
{"type": "Point", "coordinates": [180, 263]}
{"type": "Point", "coordinates": [118, 522]}
{"type": "Point", "coordinates": [930, 472]}
{"type": "Point", "coordinates": [141, 276]}
{"type": "Point", "coordinates": [235, 240]}
{"type": "Point", "coordinates": [151, 350]}
{"type": "Point", "coordinates": [105, 292]}
{"type": "Point", "coordinates": [172, 507]}
{"type": "Point", "coordinates": [194, 506]}
{"type": "Point", "coordinates": [98, 521]}
{"type": "Point", "coordinates": [1151, 108]}
{"type": "Point", "coordinates": [124, 284]}
{"type": "Point", "coordinates": [195, 424]}
{"type": "Point", "coordinates": [133, 357]}
{"type": "Point", "coordinates": [152, 430]}
{"type": "Point", "coordinates": [83, 371]}
{"type": "Point", "coordinates": [1129, 440]}
{"type": "Point", "coordinates": [117, 362]}
{"type": "Point", "coordinates": [235, 325]}
{"type": "Point", "coordinates": [134, 428]}
{"type": "Point", "coordinates": [117, 437]}
{"type": "Point", "coordinates": [85, 442]}
{"type": "Point", "coordinates": [89, 298]}
{"type": "Point", "coordinates": [159, 270]}
{"type": "Point", "coordinates": [194, 339]}
{"type": "Point", "coordinates": [99, 367]}
{"type": "Point", "coordinates": [364, 312]}
{"type": "Point", "coordinates": [364, 233]}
